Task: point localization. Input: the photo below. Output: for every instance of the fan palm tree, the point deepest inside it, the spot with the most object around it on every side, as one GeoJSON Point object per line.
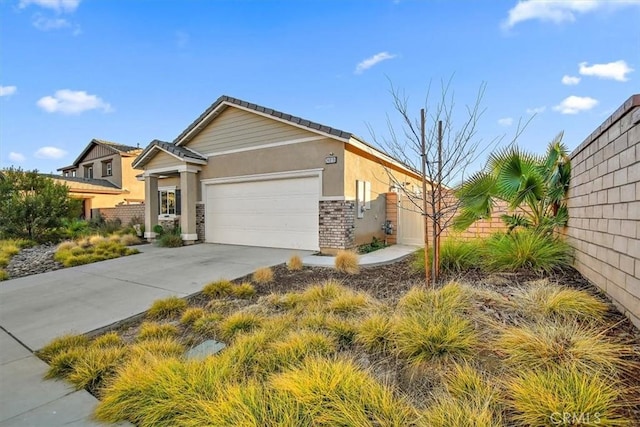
{"type": "Point", "coordinates": [534, 187]}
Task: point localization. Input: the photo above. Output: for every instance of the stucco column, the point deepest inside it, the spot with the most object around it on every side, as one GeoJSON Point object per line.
{"type": "Point", "coordinates": [151, 206]}
{"type": "Point", "coordinates": [188, 191]}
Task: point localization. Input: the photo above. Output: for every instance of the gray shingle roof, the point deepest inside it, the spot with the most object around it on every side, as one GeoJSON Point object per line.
{"type": "Point", "coordinates": [118, 147]}
{"type": "Point", "coordinates": [181, 152]}
{"type": "Point", "coordinates": [275, 113]}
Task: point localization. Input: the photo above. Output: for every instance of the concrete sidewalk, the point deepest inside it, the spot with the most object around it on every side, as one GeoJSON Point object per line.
{"type": "Point", "coordinates": [38, 308]}
{"type": "Point", "coordinates": [383, 256]}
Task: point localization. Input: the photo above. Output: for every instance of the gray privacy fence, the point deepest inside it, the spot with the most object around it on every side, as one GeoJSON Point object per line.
{"type": "Point", "coordinates": [604, 208]}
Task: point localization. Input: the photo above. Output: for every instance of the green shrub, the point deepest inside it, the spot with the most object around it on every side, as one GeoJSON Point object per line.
{"type": "Point", "coordinates": [168, 307]}
{"type": "Point", "coordinates": [545, 397]}
{"type": "Point", "coordinates": [169, 240]}
{"type": "Point", "coordinates": [525, 250]}
{"type": "Point", "coordinates": [456, 255]}
{"type": "Point", "coordinates": [3, 275]}
{"type": "Point", "coordinates": [158, 230]}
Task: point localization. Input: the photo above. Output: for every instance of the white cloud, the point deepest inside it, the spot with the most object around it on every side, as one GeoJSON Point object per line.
{"type": "Point", "coordinates": [67, 101]}
{"type": "Point", "coordinates": [8, 90]}
{"type": "Point", "coordinates": [536, 110]}
{"type": "Point", "coordinates": [505, 121]}
{"type": "Point", "coordinates": [43, 23]}
{"type": "Point", "coordinates": [617, 70]}
{"type": "Point", "coordinates": [50, 153]}
{"type": "Point", "coordinates": [558, 11]}
{"type": "Point", "coordinates": [575, 104]}
{"type": "Point", "coordinates": [66, 6]}
{"type": "Point", "coordinates": [370, 62]}
{"type": "Point", "coordinates": [17, 157]}
{"type": "Point", "coordinates": [570, 80]}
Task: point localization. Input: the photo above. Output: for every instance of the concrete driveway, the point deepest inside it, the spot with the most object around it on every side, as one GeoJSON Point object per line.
{"type": "Point", "coordinates": [36, 309]}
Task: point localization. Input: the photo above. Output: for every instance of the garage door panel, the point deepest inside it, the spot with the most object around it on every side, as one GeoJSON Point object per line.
{"type": "Point", "coordinates": [276, 213]}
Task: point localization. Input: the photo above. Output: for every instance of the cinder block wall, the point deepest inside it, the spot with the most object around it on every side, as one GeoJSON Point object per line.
{"type": "Point", "coordinates": [124, 212]}
{"type": "Point", "coordinates": [604, 208]}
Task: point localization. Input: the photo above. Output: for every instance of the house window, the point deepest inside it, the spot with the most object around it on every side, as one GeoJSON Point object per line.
{"type": "Point", "coordinates": [66, 173]}
{"type": "Point", "coordinates": [88, 171]}
{"type": "Point", "coordinates": [169, 201]}
{"type": "Point", "coordinates": [73, 173]}
{"type": "Point", "coordinates": [107, 168]}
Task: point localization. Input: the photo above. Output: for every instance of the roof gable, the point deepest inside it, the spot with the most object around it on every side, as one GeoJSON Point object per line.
{"type": "Point", "coordinates": [181, 153]}
{"type": "Point", "coordinates": [114, 147]}
{"type": "Point", "coordinates": [226, 101]}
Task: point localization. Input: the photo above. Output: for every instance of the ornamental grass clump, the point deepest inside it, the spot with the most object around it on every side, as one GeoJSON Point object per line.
{"type": "Point", "coordinates": [61, 344]}
{"type": "Point", "coordinates": [347, 262]}
{"type": "Point", "coordinates": [375, 333]}
{"type": "Point", "coordinates": [565, 396]}
{"type": "Point", "coordinates": [95, 365]}
{"type": "Point", "coordinates": [167, 308]}
{"type": "Point", "coordinates": [157, 347]}
{"type": "Point", "coordinates": [434, 336]}
{"type": "Point", "coordinates": [218, 289]}
{"type": "Point", "coordinates": [238, 322]}
{"type": "Point", "coordinates": [294, 263]}
{"type": "Point", "coordinates": [243, 290]}
{"type": "Point", "coordinates": [129, 240]}
{"type": "Point", "coordinates": [559, 302]}
{"type": "Point", "coordinates": [110, 339]}
{"type": "Point", "coordinates": [263, 275]}
{"type": "Point", "coordinates": [525, 249]}
{"type": "Point", "coordinates": [152, 330]}
{"type": "Point", "coordinates": [191, 315]}
{"type": "Point", "coordinates": [556, 344]}
{"type": "Point", "coordinates": [338, 392]}
{"type": "Point", "coordinates": [207, 324]}
{"type": "Point", "coordinates": [452, 297]}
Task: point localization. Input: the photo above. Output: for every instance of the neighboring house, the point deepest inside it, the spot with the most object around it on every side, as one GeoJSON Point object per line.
{"type": "Point", "coordinates": [102, 176]}
{"type": "Point", "coordinates": [249, 175]}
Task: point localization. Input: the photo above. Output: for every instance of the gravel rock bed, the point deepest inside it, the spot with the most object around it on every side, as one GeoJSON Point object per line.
{"type": "Point", "coordinates": [35, 260]}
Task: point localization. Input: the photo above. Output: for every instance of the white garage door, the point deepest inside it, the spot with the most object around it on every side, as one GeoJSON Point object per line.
{"type": "Point", "coordinates": [280, 213]}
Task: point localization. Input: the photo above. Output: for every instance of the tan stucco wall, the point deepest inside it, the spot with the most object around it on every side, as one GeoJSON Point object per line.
{"type": "Point", "coordinates": [238, 129]}
{"type": "Point", "coordinates": [305, 155]}
{"type": "Point", "coordinates": [360, 166]}
{"type": "Point", "coordinates": [129, 180]}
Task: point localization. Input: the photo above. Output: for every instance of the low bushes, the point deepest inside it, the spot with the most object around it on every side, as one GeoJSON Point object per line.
{"type": "Point", "coordinates": [518, 250]}
{"type": "Point", "coordinates": [94, 249]}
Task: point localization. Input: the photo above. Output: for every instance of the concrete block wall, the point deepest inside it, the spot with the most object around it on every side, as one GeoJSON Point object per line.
{"type": "Point", "coordinates": [604, 208]}
{"type": "Point", "coordinates": [337, 225]}
{"type": "Point", "coordinates": [124, 212]}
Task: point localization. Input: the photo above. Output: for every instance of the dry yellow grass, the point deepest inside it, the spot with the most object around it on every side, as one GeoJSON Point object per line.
{"type": "Point", "coordinates": [347, 262]}
{"type": "Point", "coordinates": [67, 245]}
{"type": "Point", "coordinates": [294, 263]}
{"type": "Point", "coordinates": [129, 239]}
{"type": "Point", "coordinates": [263, 275]}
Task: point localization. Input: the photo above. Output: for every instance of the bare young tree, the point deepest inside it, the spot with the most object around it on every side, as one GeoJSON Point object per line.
{"type": "Point", "coordinates": [440, 146]}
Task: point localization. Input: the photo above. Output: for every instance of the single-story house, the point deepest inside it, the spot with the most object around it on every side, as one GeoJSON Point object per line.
{"type": "Point", "coordinates": [250, 175]}
{"type": "Point", "coordinates": [102, 176]}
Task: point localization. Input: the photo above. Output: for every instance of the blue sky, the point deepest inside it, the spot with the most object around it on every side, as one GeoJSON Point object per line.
{"type": "Point", "coordinates": [131, 72]}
